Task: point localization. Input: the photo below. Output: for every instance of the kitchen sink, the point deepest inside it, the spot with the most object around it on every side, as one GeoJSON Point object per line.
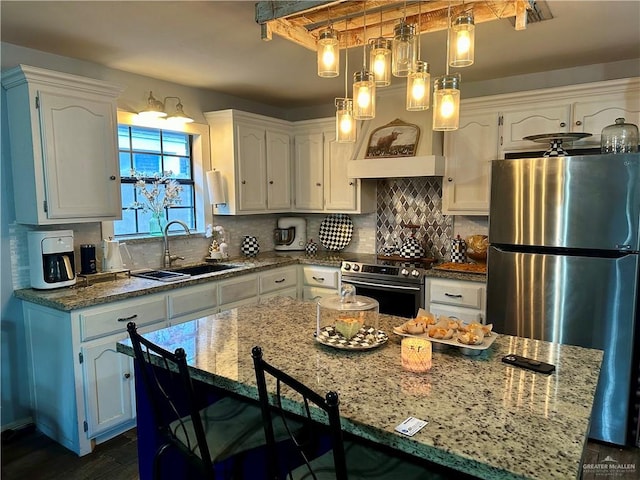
{"type": "Point", "coordinates": [201, 269]}
{"type": "Point", "coordinates": [180, 273]}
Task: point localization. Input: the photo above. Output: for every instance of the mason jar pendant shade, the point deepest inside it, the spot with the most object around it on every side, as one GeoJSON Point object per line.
{"type": "Point", "coordinates": [328, 53]}
{"type": "Point", "coordinates": [404, 49]}
{"type": "Point", "coordinates": [446, 103]}
{"type": "Point", "coordinates": [462, 41]}
{"type": "Point", "coordinates": [364, 95]}
{"type": "Point", "coordinates": [418, 87]}
{"type": "Point", "coordinates": [380, 61]}
{"type": "Point", "coordinates": [345, 123]}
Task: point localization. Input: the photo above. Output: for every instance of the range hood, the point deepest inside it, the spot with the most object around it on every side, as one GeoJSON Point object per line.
{"type": "Point", "coordinates": [428, 161]}
{"type": "Point", "coordinates": [419, 166]}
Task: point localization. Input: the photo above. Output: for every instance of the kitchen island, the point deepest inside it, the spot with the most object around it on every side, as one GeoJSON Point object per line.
{"type": "Point", "coordinates": [486, 418]}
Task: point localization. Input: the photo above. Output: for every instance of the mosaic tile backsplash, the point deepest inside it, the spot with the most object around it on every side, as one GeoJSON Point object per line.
{"type": "Point", "coordinates": [413, 201]}
{"type": "Point", "coordinates": [401, 201]}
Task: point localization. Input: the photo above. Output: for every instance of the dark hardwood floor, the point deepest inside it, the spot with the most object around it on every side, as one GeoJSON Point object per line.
{"type": "Point", "coordinates": [28, 454]}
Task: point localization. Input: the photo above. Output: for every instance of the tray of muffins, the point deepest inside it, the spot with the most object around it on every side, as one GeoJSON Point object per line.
{"type": "Point", "coordinates": [445, 332]}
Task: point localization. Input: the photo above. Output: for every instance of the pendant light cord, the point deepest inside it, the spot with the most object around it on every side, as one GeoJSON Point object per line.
{"type": "Point", "coordinates": [346, 63]}
{"type": "Point", "coordinates": [364, 40]}
{"type": "Point", "coordinates": [448, 35]}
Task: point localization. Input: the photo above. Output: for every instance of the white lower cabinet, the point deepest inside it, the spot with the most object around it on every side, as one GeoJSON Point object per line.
{"type": "Point", "coordinates": [319, 281]}
{"type": "Point", "coordinates": [81, 388]}
{"type": "Point", "coordinates": [238, 291]}
{"type": "Point", "coordinates": [465, 300]}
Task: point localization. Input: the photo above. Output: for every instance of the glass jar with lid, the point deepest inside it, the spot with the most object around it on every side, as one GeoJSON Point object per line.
{"type": "Point", "coordinates": [620, 137]}
{"type": "Point", "coordinates": [343, 317]}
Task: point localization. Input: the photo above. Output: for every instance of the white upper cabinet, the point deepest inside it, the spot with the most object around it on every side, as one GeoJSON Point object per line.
{"type": "Point", "coordinates": [320, 172]}
{"type": "Point", "coordinates": [309, 171]}
{"type": "Point", "coordinates": [468, 152]}
{"type": "Point", "coordinates": [64, 151]}
{"type": "Point", "coordinates": [253, 154]}
{"type": "Point", "coordinates": [495, 125]}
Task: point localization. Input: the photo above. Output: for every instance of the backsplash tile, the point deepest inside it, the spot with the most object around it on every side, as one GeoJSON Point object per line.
{"type": "Point", "coordinates": [417, 201]}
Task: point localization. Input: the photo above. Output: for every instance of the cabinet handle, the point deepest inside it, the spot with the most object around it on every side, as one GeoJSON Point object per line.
{"type": "Point", "coordinates": [562, 124]}
{"type": "Point", "coordinates": [351, 183]}
{"type": "Point", "coordinates": [318, 184]}
{"type": "Point", "coordinates": [450, 179]}
{"type": "Point", "coordinates": [270, 182]}
{"type": "Point", "coordinates": [243, 182]}
{"type": "Point", "coordinates": [126, 319]}
{"type": "Point", "coordinates": [112, 177]}
{"type": "Point", "coordinates": [452, 295]}
{"type": "Point", "coordinates": [127, 376]}
{"type": "Point", "coordinates": [318, 279]}
{"type": "Point", "coordinates": [578, 122]}
{"type": "Point", "coordinates": [280, 281]}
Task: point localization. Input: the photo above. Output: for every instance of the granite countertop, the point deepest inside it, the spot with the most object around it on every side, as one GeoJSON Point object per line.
{"type": "Point", "coordinates": [123, 287]}
{"type": "Point", "coordinates": [486, 418]}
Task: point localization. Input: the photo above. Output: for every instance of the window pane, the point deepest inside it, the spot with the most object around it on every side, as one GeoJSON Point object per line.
{"type": "Point", "coordinates": [186, 196]}
{"type": "Point", "coordinates": [145, 139]}
{"type": "Point", "coordinates": [125, 164]}
{"type": "Point", "coordinates": [175, 143]}
{"type": "Point", "coordinates": [147, 164]}
{"type": "Point", "coordinates": [123, 137]}
{"type": "Point", "coordinates": [179, 167]}
{"type": "Point", "coordinates": [184, 214]}
{"type": "Point", "coordinates": [126, 190]}
{"type": "Point", "coordinates": [127, 225]}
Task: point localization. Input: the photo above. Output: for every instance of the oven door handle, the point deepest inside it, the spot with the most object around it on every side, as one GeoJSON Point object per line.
{"type": "Point", "coordinates": [378, 285]}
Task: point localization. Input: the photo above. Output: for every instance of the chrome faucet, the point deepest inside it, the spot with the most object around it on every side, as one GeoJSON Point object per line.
{"type": "Point", "coordinates": [168, 258]}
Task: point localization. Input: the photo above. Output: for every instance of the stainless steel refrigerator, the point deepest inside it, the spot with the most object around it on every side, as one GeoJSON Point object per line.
{"type": "Point", "coordinates": [563, 266]}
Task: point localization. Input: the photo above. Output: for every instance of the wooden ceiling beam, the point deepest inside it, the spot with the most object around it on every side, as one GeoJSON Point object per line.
{"type": "Point", "coordinates": [303, 26]}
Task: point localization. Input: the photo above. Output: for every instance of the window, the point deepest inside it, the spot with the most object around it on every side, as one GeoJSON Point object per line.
{"type": "Point", "coordinates": [150, 152]}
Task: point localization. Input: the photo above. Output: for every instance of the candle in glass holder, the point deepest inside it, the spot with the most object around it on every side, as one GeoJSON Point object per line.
{"type": "Point", "coordinates": [416, 354]}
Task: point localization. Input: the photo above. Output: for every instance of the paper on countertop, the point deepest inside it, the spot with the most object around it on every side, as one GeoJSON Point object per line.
{"type": "Point", "coordinates": [410, 426]}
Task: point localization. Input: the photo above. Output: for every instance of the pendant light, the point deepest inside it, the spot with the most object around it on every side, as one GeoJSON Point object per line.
{"type": "Point", "coordinates": [345, 123]}
{"type": "Point", "coordinates": [446, 97]}
{"type": "Point", "coordinates": [364, 85]}
{"type": "Point", "coordinates": [404, 47]}
{"type": "Point", "coordinates": [380, 59]}
{"type": "Point", "coordinates": [462, 38]}
{"type": "Point", "coordinates": [328, 53]}
{"type": "Point", "coordinates": [418, 80]}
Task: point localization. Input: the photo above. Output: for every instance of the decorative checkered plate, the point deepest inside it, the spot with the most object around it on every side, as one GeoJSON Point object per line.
{"type": "Point", "coordinates": [365, 339]}
{"type": "Point", "coordinates": [335, 231]}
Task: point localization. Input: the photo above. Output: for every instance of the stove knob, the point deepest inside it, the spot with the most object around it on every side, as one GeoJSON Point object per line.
{"type": "Point", "coordinates": [356, 267]}
{"type": "Point", "coordinates": [415, 273]}
{"type": "Point", "coordinates": [347, 266]}
{"type": "Point", "coordinates": [404, 272]}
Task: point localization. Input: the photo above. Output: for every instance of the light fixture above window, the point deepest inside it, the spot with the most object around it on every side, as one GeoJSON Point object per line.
{"type": "Point", "coordinates": [157, 109]}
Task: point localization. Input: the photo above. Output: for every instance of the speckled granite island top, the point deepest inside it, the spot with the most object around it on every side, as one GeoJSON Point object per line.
{"type": "Point", "coordinates": [486, 418]}
{"type": "Point", "coordinates": [79, 296]}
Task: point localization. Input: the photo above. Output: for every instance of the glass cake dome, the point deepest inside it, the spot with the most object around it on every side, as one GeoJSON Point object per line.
{"type": "Point", "coordinates": [346, 316]}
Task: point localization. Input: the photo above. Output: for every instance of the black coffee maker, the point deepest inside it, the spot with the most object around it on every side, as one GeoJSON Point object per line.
{"type": "Point", "coordinates": [51, 259]}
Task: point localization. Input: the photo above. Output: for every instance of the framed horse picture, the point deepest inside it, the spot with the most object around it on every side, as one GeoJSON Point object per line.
{"type": "Point", "coordinates": [395, 139]}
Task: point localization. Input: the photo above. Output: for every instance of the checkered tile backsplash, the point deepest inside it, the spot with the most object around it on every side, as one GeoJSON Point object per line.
{"type": "Point", "coordinates": [417, 201]}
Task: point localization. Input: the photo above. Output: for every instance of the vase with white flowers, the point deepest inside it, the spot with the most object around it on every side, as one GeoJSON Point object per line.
{"type": "Point", "coordinates": [154, 194]}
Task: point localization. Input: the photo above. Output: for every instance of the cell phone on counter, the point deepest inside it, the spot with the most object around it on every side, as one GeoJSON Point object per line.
{"type": "Point", "coordinates": [528, 363]}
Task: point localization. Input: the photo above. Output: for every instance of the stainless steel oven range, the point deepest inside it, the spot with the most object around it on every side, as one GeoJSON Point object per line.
{"type": "Point", "coordinates": [399, 289]}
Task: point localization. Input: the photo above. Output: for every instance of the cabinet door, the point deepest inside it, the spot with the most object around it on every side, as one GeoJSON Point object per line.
{"type": "Point", "coordinates": [593, 115]}
{"type": "Point", "coordinates": [108, 386]}
{"type": "Point", "coordinates": [278, 171]}
{"type": "Point", "coordinates": [518, 124]}
{"type": "Point", "coordinates": [252, 168]}
{"type": "Point", "coordinates": [79, 149]}
{"type": "Point", "coordinates": [309, 172]}
{"type": "Point", "coordinates": [468, 153]}
{"type": "Point", "coordinates": [340, 191]}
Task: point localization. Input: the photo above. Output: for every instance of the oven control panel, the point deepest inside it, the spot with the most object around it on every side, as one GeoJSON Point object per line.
{"type": "Point", "coordinates": [378, 270]}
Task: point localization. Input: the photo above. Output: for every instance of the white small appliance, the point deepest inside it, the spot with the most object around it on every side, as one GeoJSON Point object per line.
{"type": "Point", "coordinates": [111, 257]}
{"type": "Point", "coordinates": [290, 234]}
{"type": "Point", "coordinates": [51, 259]}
